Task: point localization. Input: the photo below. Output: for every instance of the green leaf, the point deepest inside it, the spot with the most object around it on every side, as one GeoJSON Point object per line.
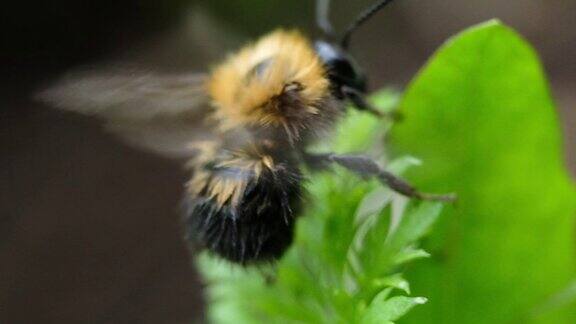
{"type": "Point", "coordinates": [481, 118]}
{"type": "Point", "coordinates": [383, 310]}
{"type": "Point", "coordinates": [395, 281]}
{"type": "Point", "coordinates": [412, 227]}
{"type": "Point", "coordinates": [410, 254]}
{"type": "Point", "coordinates": [565, 299]}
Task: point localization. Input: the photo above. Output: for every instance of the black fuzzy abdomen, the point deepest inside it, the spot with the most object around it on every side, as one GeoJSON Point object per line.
{"type": "Point", "coordinates": [258, 229]}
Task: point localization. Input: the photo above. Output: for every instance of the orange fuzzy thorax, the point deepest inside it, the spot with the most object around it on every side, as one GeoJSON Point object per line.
{"type": "Point", "coordinates": [243, 94]}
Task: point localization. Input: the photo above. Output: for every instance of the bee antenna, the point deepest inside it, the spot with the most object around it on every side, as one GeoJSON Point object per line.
{"type": "Point", "coordinates": [323, 17]}
{"type": "Point", "coordinates": [361, 19]}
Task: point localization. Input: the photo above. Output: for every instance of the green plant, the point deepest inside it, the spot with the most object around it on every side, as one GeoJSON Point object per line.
{"type": "Point", "coordinates": [481, 118]}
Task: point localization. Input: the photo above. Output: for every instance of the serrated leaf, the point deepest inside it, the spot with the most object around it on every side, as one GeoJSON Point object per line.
{"type": "Point", "coordinates": [410, 254]}
{"type": "Point", "coordinates": [385, 249]}
{"type": "Point", "coordinates": [417, 222]}
{"type": "Point", "coordinates": [395, 281]}
{"type": "Point", "coordinates": [381, 311]}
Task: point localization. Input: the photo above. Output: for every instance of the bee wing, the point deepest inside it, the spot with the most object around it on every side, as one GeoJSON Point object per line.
{"type": "Point", "coordinates": [128, 94]}
{"type": "Point", "coordinates": [169, 137]}
{"type": "Point", "coordinates": [162, 114]}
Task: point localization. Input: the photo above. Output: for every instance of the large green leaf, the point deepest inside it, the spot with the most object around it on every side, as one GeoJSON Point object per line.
{"type": "Point", "coordinates": [481, 118]}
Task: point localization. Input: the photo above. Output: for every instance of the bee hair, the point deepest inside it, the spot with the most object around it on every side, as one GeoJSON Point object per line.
{"type": "Point", "coordinates": [259, 228]}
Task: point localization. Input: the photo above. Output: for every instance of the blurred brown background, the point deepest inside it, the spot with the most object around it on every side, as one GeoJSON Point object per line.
{"type": "Point", "coordinates": [89, 228]}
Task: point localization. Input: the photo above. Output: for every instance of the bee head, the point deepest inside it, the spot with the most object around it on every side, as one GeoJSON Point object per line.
{"type": "Point", "coordinates": [343, 71]}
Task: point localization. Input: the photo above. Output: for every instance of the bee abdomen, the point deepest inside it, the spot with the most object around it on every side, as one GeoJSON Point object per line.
{"type": "Point", "coordinates": [258, 227]}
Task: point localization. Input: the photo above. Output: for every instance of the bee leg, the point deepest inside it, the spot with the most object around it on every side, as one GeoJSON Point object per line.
{"type": "Point", "coordinates": [359, 101]}
{"type": "Point", "coordinates": [366, 167]}
{"type": "Point", "coordinates": [316, 162]}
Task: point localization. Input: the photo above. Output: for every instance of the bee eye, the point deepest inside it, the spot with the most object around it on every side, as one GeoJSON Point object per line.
{"type": "Point", "coordinates": [343, 68]}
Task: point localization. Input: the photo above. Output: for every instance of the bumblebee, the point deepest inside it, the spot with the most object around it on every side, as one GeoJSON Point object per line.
{"type": "Point", "coordinates": [243, 129]}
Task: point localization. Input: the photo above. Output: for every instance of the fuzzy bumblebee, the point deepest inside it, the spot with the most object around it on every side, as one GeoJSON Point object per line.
{"type": "Point", "coordinates": [243, 129]}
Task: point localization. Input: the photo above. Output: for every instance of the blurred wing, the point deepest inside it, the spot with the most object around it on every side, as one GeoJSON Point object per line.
{"type": "Point", "coordinates": [163, 114]}
{"type": "Point", "coordinates": [130, 95]}
{"type": "Point", "coordinates": [169, 137]}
